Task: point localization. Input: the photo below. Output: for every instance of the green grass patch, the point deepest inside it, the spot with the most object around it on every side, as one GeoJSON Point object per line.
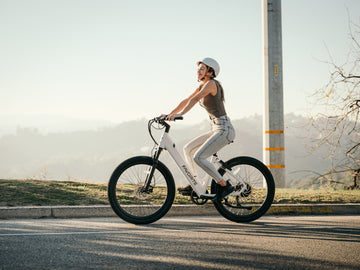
{"type": "Point", "coordinates": [47, 193]}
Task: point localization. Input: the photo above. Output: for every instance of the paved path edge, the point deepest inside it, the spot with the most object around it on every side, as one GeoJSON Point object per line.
{"type": "Point", "coordinates": [29, 212]}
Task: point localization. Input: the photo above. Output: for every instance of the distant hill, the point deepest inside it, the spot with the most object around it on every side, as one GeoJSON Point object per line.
{"type": "Point", "coordinates": [92, 155]}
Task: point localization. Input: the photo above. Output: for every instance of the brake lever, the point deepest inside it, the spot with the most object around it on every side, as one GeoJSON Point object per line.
{"type": "Point", "coordinates": [160, 118]}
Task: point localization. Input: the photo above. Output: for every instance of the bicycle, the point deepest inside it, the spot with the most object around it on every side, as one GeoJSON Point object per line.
{"type": "Point", "coordinates": [141, 189]}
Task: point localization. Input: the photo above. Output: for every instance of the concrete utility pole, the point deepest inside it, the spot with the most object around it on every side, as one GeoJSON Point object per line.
{"type": "Point", "coordinates": [273, 137]}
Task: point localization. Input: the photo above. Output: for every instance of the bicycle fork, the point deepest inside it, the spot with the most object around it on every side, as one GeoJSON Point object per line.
{"type": "Point", "coordinates": [151, 170]}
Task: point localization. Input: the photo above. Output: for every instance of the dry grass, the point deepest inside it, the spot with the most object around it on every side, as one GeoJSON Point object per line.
{"type": "Point", "coordinates": [316, 196]}
{"type": "Point", "coordinates": [45, 193]}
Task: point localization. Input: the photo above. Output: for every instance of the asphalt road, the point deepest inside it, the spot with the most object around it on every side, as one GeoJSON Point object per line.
{"type": "Point", "coordinates": [302, 242]}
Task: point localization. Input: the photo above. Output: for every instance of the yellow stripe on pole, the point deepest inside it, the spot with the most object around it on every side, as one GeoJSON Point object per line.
{"type": "Point", "coordinates": [275, 149]}
{"type": "Point", "coordinates": [274, 131]}
{"type": "Point", "coordinates": [275, 166]}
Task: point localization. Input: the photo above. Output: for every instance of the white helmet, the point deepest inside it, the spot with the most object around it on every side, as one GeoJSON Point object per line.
{"type": "Point", "coordinates": [211, 63]}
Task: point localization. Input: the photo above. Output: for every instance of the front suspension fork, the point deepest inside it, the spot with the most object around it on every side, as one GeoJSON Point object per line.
{"type": "Point", "coordinates": [151, 171]}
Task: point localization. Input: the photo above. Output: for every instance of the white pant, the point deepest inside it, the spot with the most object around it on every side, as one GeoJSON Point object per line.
{"type": "Point", "coordinates": [200, 148]}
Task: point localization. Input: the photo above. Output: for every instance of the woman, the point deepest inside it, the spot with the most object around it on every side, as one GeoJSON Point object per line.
{"type": "Point", "coordinates": [210, 95]}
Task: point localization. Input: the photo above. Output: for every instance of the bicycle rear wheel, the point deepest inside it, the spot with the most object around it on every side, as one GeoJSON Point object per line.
{"type": "Point", "coordinates": [258, 196]}
{"type": "Point", "coordinates": [135, 202]}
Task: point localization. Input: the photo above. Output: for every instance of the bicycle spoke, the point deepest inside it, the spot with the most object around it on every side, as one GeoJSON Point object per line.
{"type": "Point", "coordinates": [252, 195]}
{"type": "Point", "coordinates": [135, 201]}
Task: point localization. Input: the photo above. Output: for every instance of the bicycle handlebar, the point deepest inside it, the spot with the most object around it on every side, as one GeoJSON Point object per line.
{"type": "Point", "coordinates": [162, 121]}
{"type": "Point", "coordinates": [163, 118]}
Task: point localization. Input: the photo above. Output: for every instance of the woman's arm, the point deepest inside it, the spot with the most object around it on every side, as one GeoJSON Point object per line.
{"type": "Point", "coordinates": [183, 103]}
{"type": "Point", "coordinates": [187, 104]}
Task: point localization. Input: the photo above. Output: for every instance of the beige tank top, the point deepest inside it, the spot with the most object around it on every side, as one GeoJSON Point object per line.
{"type": "Point", "coordinates": [214, 105]}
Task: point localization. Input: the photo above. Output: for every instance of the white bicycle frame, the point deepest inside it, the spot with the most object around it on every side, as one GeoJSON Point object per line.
{"type": "Point", "coordinates": [199, 187]}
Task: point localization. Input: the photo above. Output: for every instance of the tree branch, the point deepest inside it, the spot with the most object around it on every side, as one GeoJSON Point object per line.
{"type": "Point", "coordinates": [352, 148]}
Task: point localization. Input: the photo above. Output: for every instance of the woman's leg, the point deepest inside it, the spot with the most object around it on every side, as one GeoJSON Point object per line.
{"type": "Point", "coordinates": [212, 145]}
{"type": "Point", "coordinates": [223, 133]}
{"type": "Point", "coordinates": [190, 149]}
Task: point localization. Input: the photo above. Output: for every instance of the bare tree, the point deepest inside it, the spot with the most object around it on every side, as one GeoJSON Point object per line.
{"type": "Point", "coordinates": [339, 126]}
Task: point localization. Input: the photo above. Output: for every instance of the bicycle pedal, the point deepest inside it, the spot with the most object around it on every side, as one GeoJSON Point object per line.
{"type": "Point", "coordinates": [207, 196]}
{"type": "Point", "coordinates": [185, 193]}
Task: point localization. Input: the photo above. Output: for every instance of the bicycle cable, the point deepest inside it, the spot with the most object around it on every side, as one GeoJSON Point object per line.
{"type": "Point", "coordinates": [151, 125]}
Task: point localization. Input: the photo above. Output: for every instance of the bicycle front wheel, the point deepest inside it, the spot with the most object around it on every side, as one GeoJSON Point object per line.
{"type": "Point", "coordinates": [133, 199]}
{"type": "Point", "coordinates": [258, 195]}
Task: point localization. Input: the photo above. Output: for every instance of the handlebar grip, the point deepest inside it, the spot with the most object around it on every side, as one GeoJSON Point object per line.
{"type": "Point", "coordinates": [163, 118]}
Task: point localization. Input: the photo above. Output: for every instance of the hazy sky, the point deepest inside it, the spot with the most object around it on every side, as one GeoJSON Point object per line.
{"type": "Point", "coordinates": [120, 60]}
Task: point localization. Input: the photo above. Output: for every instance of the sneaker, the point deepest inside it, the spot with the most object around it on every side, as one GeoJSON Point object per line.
{"type": "Point", "coordinates": [185, 191]}
{"type": "Point", "coordinates": [222, 192]}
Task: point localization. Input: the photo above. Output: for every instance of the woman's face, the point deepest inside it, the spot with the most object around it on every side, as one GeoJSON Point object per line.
{"type": "Point", "coordinates": [202, 71]}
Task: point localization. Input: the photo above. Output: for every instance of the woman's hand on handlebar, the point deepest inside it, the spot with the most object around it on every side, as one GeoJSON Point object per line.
{"type": "Point", "coordinates": [162, 116]}
{"type": "Point", "coordinates": [173, 117]}
{"type": "Point", "coordinates": [170, 117]}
